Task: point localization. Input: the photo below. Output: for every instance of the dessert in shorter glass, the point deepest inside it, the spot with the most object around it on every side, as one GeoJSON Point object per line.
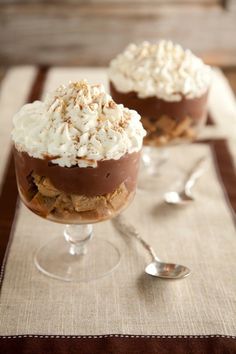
{"type": "Point", "coordinates": [77, 158]}
{"type": "Point", "coordinates": [167, 85]}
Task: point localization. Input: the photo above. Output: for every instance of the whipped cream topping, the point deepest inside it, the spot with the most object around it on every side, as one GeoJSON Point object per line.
{"type": "Point", "coordinates": [164, 70]}
{"type": "Point", "coordinates": [78, 124]}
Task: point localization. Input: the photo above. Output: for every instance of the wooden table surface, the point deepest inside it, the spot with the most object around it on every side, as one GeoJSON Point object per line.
{"type": "Point", "coordinates": [91, 33]}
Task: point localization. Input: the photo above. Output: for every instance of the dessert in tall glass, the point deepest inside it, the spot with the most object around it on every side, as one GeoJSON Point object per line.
{"type": "Point", "coordinates": [77, 158]}
{"type": "Point", "coordinates": [167, 85]}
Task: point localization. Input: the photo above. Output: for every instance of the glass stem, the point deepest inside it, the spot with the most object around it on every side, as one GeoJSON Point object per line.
{"type": "Point", "coordinates": [152, 162]}
{"type": "Point", "coordinates": [78, 237]}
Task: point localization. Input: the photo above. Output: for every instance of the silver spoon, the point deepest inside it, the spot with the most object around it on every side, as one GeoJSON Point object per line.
{"type": "Point", "coordinates": [156, 268]}
{"type": "Point", "coordinates": [185, 195]}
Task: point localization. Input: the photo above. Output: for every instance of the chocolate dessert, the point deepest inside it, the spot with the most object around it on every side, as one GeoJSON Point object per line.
{"type": "Point", "coordinates": [77, 154]}
{"type": "Point", "coordinates": [167, 85]}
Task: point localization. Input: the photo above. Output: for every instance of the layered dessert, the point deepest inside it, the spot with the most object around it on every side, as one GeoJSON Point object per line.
{"type": "Point", "coordinates": [167, 85]}
{"type": "Point", "coordinates": [77, 154]}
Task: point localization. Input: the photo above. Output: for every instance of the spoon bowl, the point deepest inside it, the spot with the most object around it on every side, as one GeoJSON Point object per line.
{"type": "Point", "coordinates": [167, 270]}
{"type": "Point", "coordinates": [176, 198]}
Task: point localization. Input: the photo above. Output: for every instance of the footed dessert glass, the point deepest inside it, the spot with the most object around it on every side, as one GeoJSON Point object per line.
{"type": "Point", "coordinates": [77, 158]}
{"type": "Point", "coordinates": [168, 86]}
{"type": "Point", "coordinates": [76, 197]}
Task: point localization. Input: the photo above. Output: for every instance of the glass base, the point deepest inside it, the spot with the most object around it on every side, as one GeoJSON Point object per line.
{"type": "Point", "coordinates": [55, 260]}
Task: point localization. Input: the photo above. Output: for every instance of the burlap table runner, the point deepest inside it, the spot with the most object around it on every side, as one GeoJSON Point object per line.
{"type": "Point", "coordinates": [127, 311]}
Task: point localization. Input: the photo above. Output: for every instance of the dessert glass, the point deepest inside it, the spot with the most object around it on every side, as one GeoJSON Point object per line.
{"type": "Point", "coordinates": [76, 197]}
{"type": "Point", "coordinates": [168, 86]}
{"type": "Point", "coordinates": [90, 177]}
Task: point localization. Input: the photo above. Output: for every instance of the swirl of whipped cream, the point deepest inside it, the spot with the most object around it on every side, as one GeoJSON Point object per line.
{"type": "Point", "coordinates": [164, 70]}
{"type": "Point", "coordinates": [78, 124]}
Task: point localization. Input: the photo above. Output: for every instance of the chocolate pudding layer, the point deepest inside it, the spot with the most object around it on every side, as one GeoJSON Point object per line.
{"type": "Point", "coordinates": [76, 194]}
{"type": "Point", "coordinates": [166, 121]}
{"type": "Point", "coordinates": [89, 181]}
{"type": "Point", "coordinates": [153, 107]}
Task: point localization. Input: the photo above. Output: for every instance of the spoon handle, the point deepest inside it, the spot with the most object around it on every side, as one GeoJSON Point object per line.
{"type": "Point", "coordinates": [128, 229]}
{"type": "Point", "coordinates": [195, 174]}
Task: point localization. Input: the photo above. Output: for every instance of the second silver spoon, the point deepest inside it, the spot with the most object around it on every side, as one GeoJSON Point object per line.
{"type": "Point", "coordinates": [185, 195]}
